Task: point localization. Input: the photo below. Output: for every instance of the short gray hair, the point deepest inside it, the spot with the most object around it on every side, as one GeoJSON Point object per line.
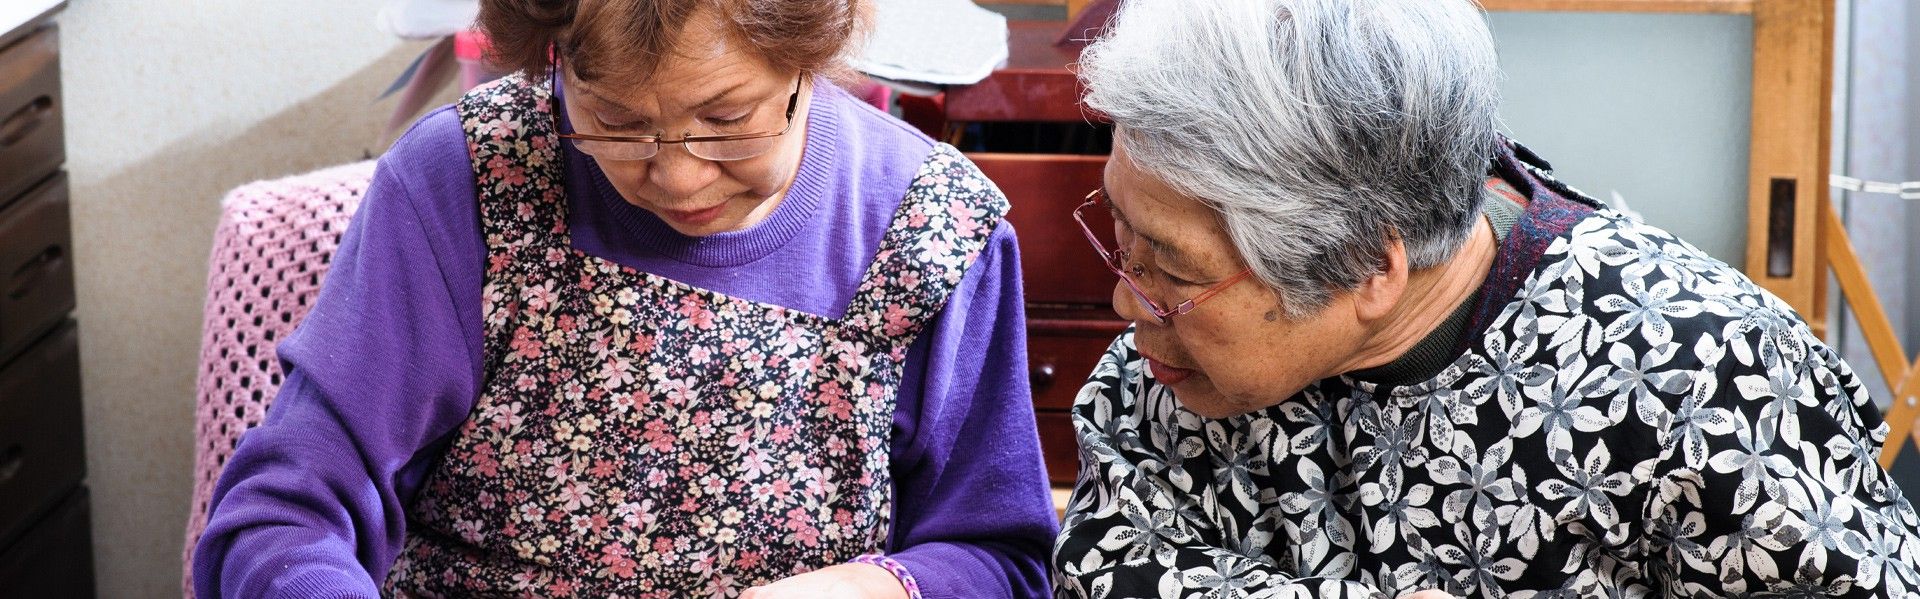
{"type": "Point", "coordinates": [1316, 128]}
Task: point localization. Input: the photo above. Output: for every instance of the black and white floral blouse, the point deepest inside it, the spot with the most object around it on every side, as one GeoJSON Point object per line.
{"type": "Point", "coordinates": [1627, 417]}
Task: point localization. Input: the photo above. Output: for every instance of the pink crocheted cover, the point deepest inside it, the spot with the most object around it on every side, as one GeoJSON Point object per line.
{"type": "Point", "coordinates": [272, 248]}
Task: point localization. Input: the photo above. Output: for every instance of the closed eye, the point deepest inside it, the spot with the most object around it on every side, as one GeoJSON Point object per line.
{"type": "Point", "coordinates": [728, 122]}
{"type": "Point", "coordinates": [623, 127]}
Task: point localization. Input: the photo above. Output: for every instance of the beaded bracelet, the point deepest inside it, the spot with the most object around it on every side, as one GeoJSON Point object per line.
{"type": "Point", "coordinates": [899, 571]}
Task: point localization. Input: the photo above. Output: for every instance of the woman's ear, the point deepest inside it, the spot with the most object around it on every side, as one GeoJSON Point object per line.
{"type": "Point", "coordinates": [1378, 294]}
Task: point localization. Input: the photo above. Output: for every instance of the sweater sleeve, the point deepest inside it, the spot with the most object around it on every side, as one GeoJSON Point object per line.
{"type": "Point", "coordinates": [378, 376]}
{"type": "Point", "coordinates": [973, 516]}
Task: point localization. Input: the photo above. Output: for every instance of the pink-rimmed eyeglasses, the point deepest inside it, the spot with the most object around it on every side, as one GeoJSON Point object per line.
{"type": "Point", "coordinates": [1117, 261]}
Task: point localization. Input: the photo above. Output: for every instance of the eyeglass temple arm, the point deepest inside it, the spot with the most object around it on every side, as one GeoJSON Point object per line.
{"type": "Point", "coordinates": [1187, 306]}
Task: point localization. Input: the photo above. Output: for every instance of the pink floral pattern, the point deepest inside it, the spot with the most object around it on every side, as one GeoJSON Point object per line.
{"type": "Point", "coordinates": [639, 437]}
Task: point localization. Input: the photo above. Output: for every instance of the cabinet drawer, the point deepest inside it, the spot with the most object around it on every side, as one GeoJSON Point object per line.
{"type": "Point", "coordinates": [1060, 355]}
{"type": "Point", "coordinates": [1058, 264]}
{"type": "Point", "coordinates": [42, 456]}
{"type": "Point", "coordinates": [1058, 446]}
{"type": "Point", "coordinates": [55, 558]}
{"type": "Point", "coordinates": [32, 143]}
{"type": "Point", "coordinates": [36, 265]}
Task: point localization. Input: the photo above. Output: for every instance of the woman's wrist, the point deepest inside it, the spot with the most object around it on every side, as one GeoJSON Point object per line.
{"type": "Point", "coordinates": [908, 587]}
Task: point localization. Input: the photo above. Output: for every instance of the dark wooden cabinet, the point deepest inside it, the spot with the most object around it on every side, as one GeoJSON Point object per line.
{"type": "Point", "coordinates": [46, 547]}
{"type": "Point", "coordinates": [32, 140]}
{"type": "Point", "coordinates": [42, 458]}
{"type": "Point", "coordinates": [55, 557]}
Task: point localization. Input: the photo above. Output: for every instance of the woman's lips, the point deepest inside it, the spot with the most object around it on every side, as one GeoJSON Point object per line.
{"type": "Point", "coordinates": [1168, 375]}
{"type": "Point", "coordinates": [694, 217]}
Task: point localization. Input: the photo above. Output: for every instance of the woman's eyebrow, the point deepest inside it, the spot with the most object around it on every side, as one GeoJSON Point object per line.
{"type": "Point", "coordinates": [622, 110]}
{"type": "Point", "coordinates": [609, 106]}
{"type": "Point", "coordinates": [716, 98]}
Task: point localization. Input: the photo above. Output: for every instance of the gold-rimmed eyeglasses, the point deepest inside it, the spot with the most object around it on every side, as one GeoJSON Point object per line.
{"type": "Point", "coordinates": [719, 148]}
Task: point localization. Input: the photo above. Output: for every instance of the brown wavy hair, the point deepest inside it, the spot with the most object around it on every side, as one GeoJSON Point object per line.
{"type": "Point", "coordinates": [624, 40]}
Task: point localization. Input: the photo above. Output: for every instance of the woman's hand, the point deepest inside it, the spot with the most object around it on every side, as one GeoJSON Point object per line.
{"type": "Point", "coordinates": [849, 581]}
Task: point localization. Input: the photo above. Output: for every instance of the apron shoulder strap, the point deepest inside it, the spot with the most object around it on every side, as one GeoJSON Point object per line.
{"type": "Point", "coordinates": [516, 163]}
{"type": "Point", "coordinates": [950, 211]}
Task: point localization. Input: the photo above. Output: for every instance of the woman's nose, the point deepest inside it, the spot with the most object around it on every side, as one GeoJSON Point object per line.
{"type": "Point", "coordinates": [679, 174]}
{"type": "Point", "coordinates": [1128, 307]}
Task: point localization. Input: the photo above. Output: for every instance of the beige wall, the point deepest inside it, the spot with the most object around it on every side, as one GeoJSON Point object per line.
{"type": "Point", "coordinates": [169, 104]}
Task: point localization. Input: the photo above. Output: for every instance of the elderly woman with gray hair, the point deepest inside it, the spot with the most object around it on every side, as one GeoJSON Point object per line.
{"type": "Point", "coordinates": [1378, 350]}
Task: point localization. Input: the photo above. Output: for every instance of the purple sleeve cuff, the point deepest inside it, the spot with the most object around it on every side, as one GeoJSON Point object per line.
{"type": "Point", "coordinates": [899, 571]}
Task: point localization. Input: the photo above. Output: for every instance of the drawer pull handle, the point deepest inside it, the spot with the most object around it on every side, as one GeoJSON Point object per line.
{"type": "Point", "coordinates": [10, 462]}
{"type": "Point", "coordinates": [30, 274]}
{"type": "Point", "coordinates": [1041, 377]}
{"type": "Point", "coordinates": [25, 120]}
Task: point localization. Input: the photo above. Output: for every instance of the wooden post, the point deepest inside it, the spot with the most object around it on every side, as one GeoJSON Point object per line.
{"type": "Point", "coordinates": [1906, 407]}
{"type": "Point", "coordinates": [1902, 379]}
{"type": "Point", "coordinates": [1858, 291]}
{"type": "Point", "coordinates": [1791, 141]}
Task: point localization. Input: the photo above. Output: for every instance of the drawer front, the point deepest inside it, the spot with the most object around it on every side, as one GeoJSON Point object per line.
{"type": "Point", "coordinates": [1057, 263]}
{"type": "Point", "coordinates": [42, 455]}
{"type": "Point", "coordinates": [1060, 355]}
{"type": "Point", "coordinates": [32, 142]}
{"type": "Point", "coordinates": [1058, 446]}
{"type": "Point", "coordinates": [55, 557]}
{"type": "Point", "coordinates": [36, 266]}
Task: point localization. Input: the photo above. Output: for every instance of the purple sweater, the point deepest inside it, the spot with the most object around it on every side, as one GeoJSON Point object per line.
{"type": "Point", "coordinates": [388, 364]}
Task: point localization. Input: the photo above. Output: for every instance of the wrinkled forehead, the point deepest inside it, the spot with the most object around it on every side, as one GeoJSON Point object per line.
{"type": "Point", "coordinates": [1175, 223]}
{"type": "Point", "coordinates": [1142, 195]}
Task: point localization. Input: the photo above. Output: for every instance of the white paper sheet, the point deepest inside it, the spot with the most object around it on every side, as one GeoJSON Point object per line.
{"type": "Point", "coordinates": [948, 42]}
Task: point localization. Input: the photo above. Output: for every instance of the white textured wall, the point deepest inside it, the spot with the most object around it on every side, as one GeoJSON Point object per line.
{"type": "Point", "coordinates": [169, 104]}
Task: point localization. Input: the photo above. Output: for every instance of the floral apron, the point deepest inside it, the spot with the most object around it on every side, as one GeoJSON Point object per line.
{"type": "Point", "coordinates": [639, 437]}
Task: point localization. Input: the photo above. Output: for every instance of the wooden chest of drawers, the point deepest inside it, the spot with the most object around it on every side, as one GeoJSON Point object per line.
{"type": "Point", "coordinates": [45, 539]}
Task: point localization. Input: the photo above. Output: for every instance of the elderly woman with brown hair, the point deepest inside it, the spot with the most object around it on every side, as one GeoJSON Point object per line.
{"type": "Point", "coordinates": [666, 314]}
{"type": "Point", "coordinates": [1379, 350]}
